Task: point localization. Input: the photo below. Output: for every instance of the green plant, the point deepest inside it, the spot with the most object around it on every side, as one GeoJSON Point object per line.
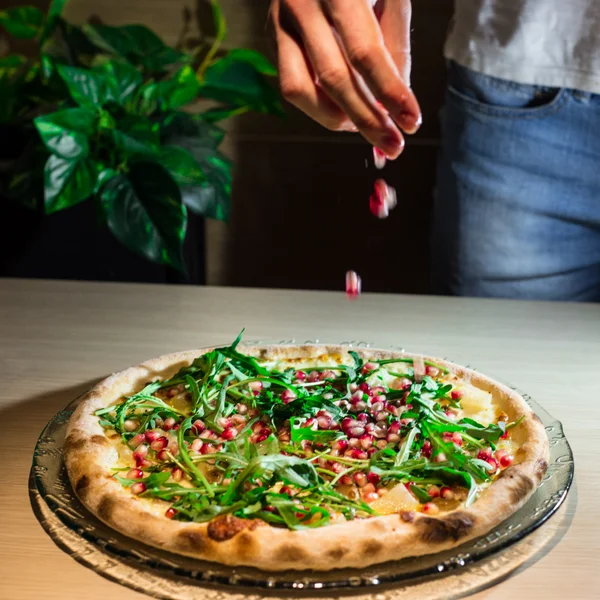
{"type": "Point", "coordinates": [99, 114]}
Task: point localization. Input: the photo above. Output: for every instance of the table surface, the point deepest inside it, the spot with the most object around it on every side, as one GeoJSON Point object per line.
{"type": "Point", "coordinates": [57, 338]}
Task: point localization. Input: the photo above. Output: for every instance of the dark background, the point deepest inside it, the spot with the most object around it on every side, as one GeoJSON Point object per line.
{"type": "Point", "coordinates": [300, 216]}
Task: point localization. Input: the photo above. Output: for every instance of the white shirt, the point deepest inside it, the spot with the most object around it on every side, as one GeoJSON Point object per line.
{"type": "Point", "coordinates": [553, 43]}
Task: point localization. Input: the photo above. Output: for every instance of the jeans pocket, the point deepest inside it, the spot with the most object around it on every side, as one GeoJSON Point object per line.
{"type": "Point", "coordinates": [491, 96]}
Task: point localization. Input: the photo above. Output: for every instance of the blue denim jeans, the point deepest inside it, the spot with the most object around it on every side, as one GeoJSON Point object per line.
{"type": "Point", "coordinates": [517, 210]}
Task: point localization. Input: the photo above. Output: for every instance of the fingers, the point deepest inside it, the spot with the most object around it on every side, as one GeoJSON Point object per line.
{"type": "Point", "coordinates": [297, 82]}
{"type": "Point", "coordinates": [335, 77]}
{"type": "Point", "coordinates": [381, 57]}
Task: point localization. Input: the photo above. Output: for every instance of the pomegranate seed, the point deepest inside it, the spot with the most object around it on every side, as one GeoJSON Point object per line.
{"type": "Point", "coordinates": [324, 422]}
{"type": "Point", "coordinates": [393, 438]}
{"type": "Point", "coordinates": [134, 474]}
{"type": "Point", "coordinates": [485, 454]}
{"type": "Point", "coordinates": [377, 407]}
{"type": "Point", "coordinates": [314, 376]}
{"type": "Point", "coordinates": [287, 396]}
{"type": "Point", "coordinates": [237, 420]}
{"type": "Point", "coordinates": [503, 458]}
{"type": "Point", "coordinates": [493, 463]}
{"type": "Point", "coordinates": [198, 426]}
{"type": "Point", "coordinates": [360, 479]}
{"type": "Point", "coordinates": [430, 508]}
{"type": "Point", "coordinates": [440, 457]}
{"type": "Point", "coordinates": [353, 285]}
{"type": "Point", "coordinates": [169, 424]}
{"type": "Point", "coordinates": [381, 415]}
{"type": "Point", "coordinates": [255, 386]}
{"type": "Point", "coordinates": [356, 431]}
{"type": "Point", "coordinates": [457, 438]}
{"type": "Point", "coordinates": [371, 451]}
{"type": "Point", "coordinates": [170, 513]}
{"type": "Point", "coordinates": [371, 497]}
{"type": "Point", "coordinates": [348, 422]}
{"type": "Point", "coordinates": [362, 417]}
{"type": "Point", "coordinates": [354, 443]}
{"type": "Point", "coordinates": [505, 435]}
{"type": "Point", "coordinates": [300, 376]}
{"type": "Point", "coordinates": [401, 383]}
{"type": "Point", "coordinates": [368, 488]}
{"type": "Point", "coordinates": [163, 455]}
{"type": "Point", "coordinates": [378, 390]}
{"type": "Point", "coordinates": [136, 440]}
{"type": "Point", "coordinates": [152, 435]}
{"type": "Point", "coordinates": [141, 451]}
{"type": "Point", "coordinates": [377, 202]}
{"type": "Point", "coordinates": [229, 434]}
{"type": "Point", "coordinates": [427, 449]}
{"type": "Point", "coordinates": [366, 441]}
{"type": "Point", "coordinates": [358, 454]}
{"type": "Point", "coordinates": [456, 394]}
{"type": "Point", "coordinates": [341, 445]}
{"type": "Point", "coordinates": [381, 444]}
{"type": "Point", "coordinates": [432, 371]}
{"type": "Point", "coordinates": [364, 386]}
{"type": "Point", "coordinates": [345, 480]}
{"type": "Point", "coordinates": [286, 490]}
{"type": "Point", "coordinates": [224, 422]}
{"type": "Point", "coordinates": [394, 427]}
{"type": "Point", "coordinates": [382, 491]}
{"type": "Point", "coordinates": [138, 488]}
{"type": "Point", "coordinates": [197, 445]}
{"type": "Point", "coordinates": [379, 158]}
{"type": "Point", "coordinates": [159, 443]}
{"type": "Point", "coordinates": [261, 437]}
{"type": "Point", "coordinates": [433, 491]}
{"type": "Point", "coordinates": [373, 478]}
{"type": "Point", "coordinates": [447, 493]}
{"type": "Point", "coordinates": [130, 425]}
{"type": "Point", "coordinates": [176, 474]}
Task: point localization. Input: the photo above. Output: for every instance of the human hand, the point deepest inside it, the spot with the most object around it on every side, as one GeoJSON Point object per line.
{"type": "Point", "coordinates": [346, 64]}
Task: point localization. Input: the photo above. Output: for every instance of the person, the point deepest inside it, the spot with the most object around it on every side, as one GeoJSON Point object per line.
{"type": "Point", "coordinates": [517, 209]}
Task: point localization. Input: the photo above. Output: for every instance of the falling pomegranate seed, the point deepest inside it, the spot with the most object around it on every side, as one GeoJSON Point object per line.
{"type": "Point", "coordinates": [134, 474]}
{"type": "Point", "coordinates": [138, 488]}
{"type": "Point", "coordinates": [379, 158]}
{"type": "Point", "coordinates": [353, 285]}
{"type": "Point", "coordinates": [382, 200]}
{"type": "Point", "coordinates": [229, 434]}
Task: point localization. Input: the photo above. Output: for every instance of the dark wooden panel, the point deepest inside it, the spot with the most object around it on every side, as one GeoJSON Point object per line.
{"type": "Point", "coordinates": [301, 218]}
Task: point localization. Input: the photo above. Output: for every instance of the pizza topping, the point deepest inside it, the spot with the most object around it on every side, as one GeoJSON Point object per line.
{"type": "Point", "coordinates": [305, 446]}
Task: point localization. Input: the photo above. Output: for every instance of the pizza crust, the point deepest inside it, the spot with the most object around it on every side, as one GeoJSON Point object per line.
{"type": "Point", "coordinates": [89, 456]}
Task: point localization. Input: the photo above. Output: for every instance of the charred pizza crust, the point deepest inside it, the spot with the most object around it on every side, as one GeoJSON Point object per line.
{"type": "Point", "coordinates": [229, 540]}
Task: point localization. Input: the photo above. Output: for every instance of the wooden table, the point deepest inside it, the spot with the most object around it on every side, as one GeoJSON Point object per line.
{"type": "Point", "coordinates": [57, 338]}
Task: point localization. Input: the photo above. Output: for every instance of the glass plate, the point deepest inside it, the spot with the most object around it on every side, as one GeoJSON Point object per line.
{"type": "Point", "coordinates": [49, 480]}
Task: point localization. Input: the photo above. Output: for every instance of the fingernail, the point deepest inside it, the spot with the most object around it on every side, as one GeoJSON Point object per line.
{"type": "Point", "coordinates": [409, 122]}
{"type": "Point", "coordinates": [392, 146]}
{"type": "Point", "coordinates": [349, 126]}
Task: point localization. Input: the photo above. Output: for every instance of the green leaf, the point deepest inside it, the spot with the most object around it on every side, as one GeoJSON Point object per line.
{"type": "Point", "coordinates": [68, 182]}
{"type": "Point", "coordinates": [52, 18]}
{"type": "Point", "coordinates": [12, 61]}
{"type": "Point", "coordinates": [122, 80]}
{"type": "Point", "coordinates": [86, 87]}
{"type": "Point", "coordinates": [137, 136]}
{"type": "Point", "coordinates": [23, 22]}
{"type": "Point", "coordinates": [181, 165]}
{"type": "Point", "coordinates": [66, 132]}
{"type": "Point", "coordinates": [214, 115]}
{"type": "Point", "coordinates": [179, 123]}
{"type": "Point", "coordinates": [219, 20]}
{"type": "Point", "coordinates": [182, 88]}
{"type": "Point", "coordinates": [239, 83]}
{"type": "Point", "coordinates": [111, 39]}
{"type": "Point", "coordinates": [144, 211]}
{"type": "Point", "coordinates": [258, 60]}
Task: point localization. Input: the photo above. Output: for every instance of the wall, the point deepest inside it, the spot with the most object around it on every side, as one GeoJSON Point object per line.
{"type": "Point", "coordinates": [300, 197]}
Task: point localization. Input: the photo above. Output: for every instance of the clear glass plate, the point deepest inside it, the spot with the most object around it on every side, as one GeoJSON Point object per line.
{"type": "Point", "coordinates": [49, 480]}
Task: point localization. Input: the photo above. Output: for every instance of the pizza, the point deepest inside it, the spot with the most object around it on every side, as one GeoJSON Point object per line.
{"type": "Point", "coordinates": [303, 457]}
